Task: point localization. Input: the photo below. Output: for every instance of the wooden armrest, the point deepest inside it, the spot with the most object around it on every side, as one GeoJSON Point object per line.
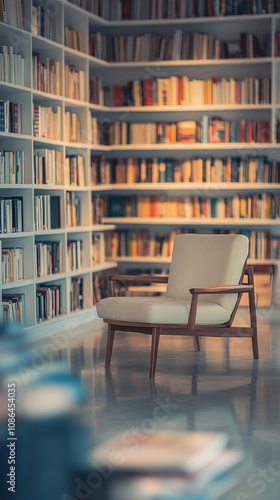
{"type": "Point", "coordinates": [222, 289]}
{"type": "Point", "coordinates": [128, 278]}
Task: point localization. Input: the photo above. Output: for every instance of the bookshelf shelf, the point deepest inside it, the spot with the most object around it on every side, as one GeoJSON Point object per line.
{"type": "Point", "coordinates": [188, 62]}
{"type": "Point", "coordinates": [27, 42]}
{"type": "Point", "coordinates": [153, 221]}
{"type": "Point", "coordinates": [226, 146]}
{"type": "Point", "coordinates": [16, 284]}
{"type": "Point", "coordinates": [193, 186]}
{"type": "Point", "coordinates": [142, 23]}
{"type": "Point", "coordinates": [184, 109]}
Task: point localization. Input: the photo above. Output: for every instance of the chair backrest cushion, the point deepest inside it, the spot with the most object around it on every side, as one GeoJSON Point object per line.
{"type": "Point", "coordinates": [202, 260]}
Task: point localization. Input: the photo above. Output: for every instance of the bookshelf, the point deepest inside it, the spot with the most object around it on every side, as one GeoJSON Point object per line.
{"type": "Point", "coordinates": [77, 143]}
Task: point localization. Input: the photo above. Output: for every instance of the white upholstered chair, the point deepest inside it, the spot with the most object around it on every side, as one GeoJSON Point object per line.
{"type": "Point", "coordinates": [204, 288]}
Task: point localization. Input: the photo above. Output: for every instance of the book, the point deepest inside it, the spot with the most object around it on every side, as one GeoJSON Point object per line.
{"type": "Point", "coordinates": [164, 452]}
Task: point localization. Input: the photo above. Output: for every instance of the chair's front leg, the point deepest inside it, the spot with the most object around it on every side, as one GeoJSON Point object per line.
{"type": "Point", "coordinates": [154, 351]}
{"type": "Point", "coordinates": [191, 322]}
{"type": "Point", "coordinates": [253, 314]}
{"type": "Point", "coordinates": [110, 343]}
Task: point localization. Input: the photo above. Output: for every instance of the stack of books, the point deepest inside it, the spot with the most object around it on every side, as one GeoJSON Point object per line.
{"type": "Point", "coordinates": [73, 38]}
{"type": "Point", "coordinates": [47, 212]}
{"type": "Point", "coordinates": [11, 65]}
{"type": "Point", "coordinates": [48, 302]}
{"type": "Point", "coordinates": [166, 464]}
{"type": "Point", "coordinates": [47, 122]}
{"type": "Point", "coordinates": [48, 258]}
{"type": "Point", "coordinates": [73, 209]}
{"type": "Point", "coordinates": [96, 91]}
{"type": "Point", "coordinates": [12, 265]}
{"type": "Point", "coordinates": [98, 249]}
{"type": "Point", "coordinates": [11, 215]}
{"type": "Point", "coordinates": [10, 117]}
{"type": "Point", "coordinates": [11, 12]}
{"type": "Point", "coordinates": [75, 170]}
{"type": "Point", "coordinates": [76, 294]}
{"type": "Point", "coordinates": [47, 166]}
{"type": "Point", "coordinates": [46, 75]}
{"type": "Point", "coordinates": [72, 127]}
{"type": "Point", "coordinates": [13, 308]}
{"type": "Point", "coordinates": [11, 167]}
{"type": "Point", "coordinates": [74, 83]}
{"type": "Point", "coordinates": [98, 207]}
{"type": "Point", "coordinates": [42, 21]}
{"type": "Point", "coordinates": [74, 254]}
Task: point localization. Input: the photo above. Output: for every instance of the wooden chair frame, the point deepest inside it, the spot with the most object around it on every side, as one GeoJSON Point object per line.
{"type": "Point", "coordinates": [191, 329]}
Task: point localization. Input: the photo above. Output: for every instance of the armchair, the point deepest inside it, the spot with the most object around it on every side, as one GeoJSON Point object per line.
{"type": "Point", "coordinates": [204, 289]}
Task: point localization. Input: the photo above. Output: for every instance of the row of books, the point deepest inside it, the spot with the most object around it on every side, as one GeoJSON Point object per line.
{"type": "Point", "coordinates": [208, 170]}
{"type": "Point", "coordinates": [47, 166]}
{"type": "Point", "coordinates": [74, 254]}
{"type": "Point", "coordinates": [73, 38]}
{"type": "Point", "coordinates": [209, 130]}
{"type": "Point", "coordinates": [217, 130]}
{"type": "Point", "coordinates": [97, 134]}
{"type": "Point", "coordinates": [175, 9]}
{"type": "Point", "coordinates": [12, 265]}
{"type": "Point", "coordinates": [48, 258]}
{"type": "Point", "coordinates": [11, 65]}
{"type": "Point", "coordinates": [11, 215]}
{"type": "Point", "coordinates": [11, 167]}
{"type": "Point", "coordinates": [95, 90]}
{"type": "Point", "coordinates": [143, 243]}
{"type": "Point", "coordinates": [98, 209]}
{"type": "Point", "coordinates": [256, 206]}
{"type": "Point", "coordinates": [47, 212]}
{"type": "Point", "coordinates": [48, 302]}
{"type": "Point", "coordinates": [75, 170]}
{"type": "Point", "coordinates": [10, 117]}
{"type": "Point", "coordinates": [100, 287]}
{"type": "Point", "coordinates": [73, 209]}
{"type": "Point", "coordinates": [277, 131]}
{"type": "Point", "coordinates": [42, 21]}
{"type": "Point", "coordinates": [46, 74]}
{"type": "Point", "coordinates": [11, 12]}
{"type": "Point", "coordinates": [179, 46]}
{"type": "Point", "coordinates": [76, 294]}
{"type": "Point", "coordinates": [180, 90]}
{"type": "Point", "coordinates": [47, 122]}
{"type": "Point", "coordinates": [277, 45]}
{"type": "Point", "coordinates": [74, 83]}
{"type": "Point", "coordinates": [13, 308]}
{"type": "Point", "coordinates": [98, 249]}
{"type": "Point", "coordinates": [72, 127]}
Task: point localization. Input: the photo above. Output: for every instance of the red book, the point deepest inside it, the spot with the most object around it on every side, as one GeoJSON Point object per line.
{"type": "Point", "coordinates": [147, 86]}
{"type": "Point", "coordinates": [180, 90]}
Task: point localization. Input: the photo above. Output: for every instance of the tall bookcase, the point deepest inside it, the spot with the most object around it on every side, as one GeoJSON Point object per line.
{"type": "Point", "coordinates": [64, 13]}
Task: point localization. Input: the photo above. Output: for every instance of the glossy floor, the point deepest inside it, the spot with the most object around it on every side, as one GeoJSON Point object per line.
{"type": "Point", "coordinates": [219, 389]}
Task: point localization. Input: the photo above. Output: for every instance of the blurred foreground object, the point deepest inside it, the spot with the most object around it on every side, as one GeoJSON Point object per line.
{"type": "Point", "coordinates": [168, 466]}
{"type": "Point", "coordinates": [50, 442]}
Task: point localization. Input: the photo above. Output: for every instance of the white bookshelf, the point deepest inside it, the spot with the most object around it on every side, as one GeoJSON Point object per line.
{"type": "Point", "coordinates": [26, 43]}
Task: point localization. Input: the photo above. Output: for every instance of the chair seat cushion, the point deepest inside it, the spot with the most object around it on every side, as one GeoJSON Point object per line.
{"type": "Point", "coordinates": [160, 310]}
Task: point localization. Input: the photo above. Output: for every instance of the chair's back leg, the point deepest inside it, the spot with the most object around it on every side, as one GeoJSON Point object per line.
{"type": "Point", "coordinates": [154, 351]}
{"type": "Point", "coordinates": [110, 343]}
{"type": "Point", "coordinates": [253, 315]}
{"type": "Point", "coordinates": [196, 342]}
